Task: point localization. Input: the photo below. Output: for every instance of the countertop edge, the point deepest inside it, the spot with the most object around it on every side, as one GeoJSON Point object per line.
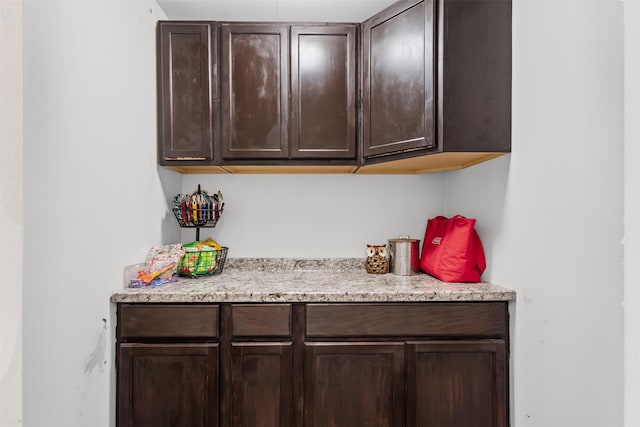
{"type": "Point", "coordinates": [212, 297]}
{"type": "Point", "coordinates": [340, 280]}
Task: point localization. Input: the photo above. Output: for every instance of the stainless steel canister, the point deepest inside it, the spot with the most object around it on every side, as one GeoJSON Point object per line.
{"type": "Point", "coordinates": [404, 256]}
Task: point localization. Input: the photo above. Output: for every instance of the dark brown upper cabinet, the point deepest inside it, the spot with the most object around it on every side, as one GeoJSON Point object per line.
{"type": "Point", "coordinates": [466, 89]}
{"type": "Point", "coordinates": [398, 79]}
{"type": "Point", "coordinates": [474, 75]}
{"type": "Point", "coordinates": [187, 84]}
{"type": "Point", "coordinates": [422, 86]}
{"type": "Point", "coordinates": [323, 92]}
{"type": "Point", "coordinates": [255, 91]}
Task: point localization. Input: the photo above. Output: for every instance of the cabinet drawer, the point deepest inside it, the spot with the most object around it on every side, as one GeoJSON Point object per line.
{"type": "Point", "coordinates": [431, 319]}
{"type": "Point", "coordinates": [273, 320]}
{"type": "Point", "coordinates": [158, 320]}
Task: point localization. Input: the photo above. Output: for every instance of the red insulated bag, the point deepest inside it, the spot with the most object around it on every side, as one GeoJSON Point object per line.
{"type": "Point", "coordinates": [452, 250]}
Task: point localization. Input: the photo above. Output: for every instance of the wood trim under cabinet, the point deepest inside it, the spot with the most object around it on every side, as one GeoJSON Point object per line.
{"type": "Point", "coordinates": [429, 163]}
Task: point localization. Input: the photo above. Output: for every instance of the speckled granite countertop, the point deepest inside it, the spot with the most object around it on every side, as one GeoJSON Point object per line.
{"type": "Point", "coordinates": [314, 280]}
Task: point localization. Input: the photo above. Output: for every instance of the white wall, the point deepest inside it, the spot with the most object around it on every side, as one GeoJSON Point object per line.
{"type": "Point", "coordinates": [94, 197]}
{"type": "Point", "coordinates": [631, 215]}
{"type": "Point", "coordinates": [326, 216]}
{"type": "Point", "coordinates": [551, 214]}
{"type": "Point", "coordinates": [11, 211]}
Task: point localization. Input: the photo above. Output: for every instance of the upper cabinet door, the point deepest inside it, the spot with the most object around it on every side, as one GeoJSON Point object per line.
{"type": "Point", "coordinates": [255, 90]}
{"type": "Point", "coordinates": [186, 69]}
{"type": "Point", "coordinates": [398, 79]}
{"type": "Point", "coordinates": [323, 92]}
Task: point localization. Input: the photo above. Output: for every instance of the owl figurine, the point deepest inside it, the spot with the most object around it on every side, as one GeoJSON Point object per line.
{"type": "Point", "coordinates": [377, 262]}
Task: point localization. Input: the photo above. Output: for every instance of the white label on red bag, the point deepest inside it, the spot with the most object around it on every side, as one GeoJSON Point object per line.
{"type": "Point", "coordinates": [436, 240]}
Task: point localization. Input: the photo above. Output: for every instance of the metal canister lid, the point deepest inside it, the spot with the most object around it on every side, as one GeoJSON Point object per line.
{"type": "Point", "coordinates": [403, 239]}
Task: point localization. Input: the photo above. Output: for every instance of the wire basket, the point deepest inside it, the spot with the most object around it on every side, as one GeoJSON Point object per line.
{"type": "Point", "coordinates": [189, 217]}
{"type": "Point", "coordinates": [198, 209]}
{"type": "Point", "coordinates": [202, 263]}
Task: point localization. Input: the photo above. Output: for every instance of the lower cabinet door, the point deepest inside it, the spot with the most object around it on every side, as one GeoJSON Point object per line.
{"type": "Point", "coordinates": [354, 384]}
{"type": "Point", "coordinates": [457, 384]}
{"type": "Point", "coordinates": [168, 385]}
{"type": "Point", "coordinates": [261, 384]}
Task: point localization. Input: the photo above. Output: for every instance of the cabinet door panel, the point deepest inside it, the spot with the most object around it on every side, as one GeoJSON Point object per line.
{"type": "Point", "coordinates": [354, 384]}
{"type": "Point", "coordinates": [323, 91]}
{"type": "Point", "coordinates": [398, 80]}
{"type": "Point", "coordinates": [475, 76]}
{"type": "Point", "coordinates": [184, 80]}
{"type": "Point", "coordinates": [457, 383]}
{"type": "Point", "coordinates": [487, 320]}
{"type": "Point", "coordinates": [261, 320]}
{"type": "Point", "coordinates": [168, 385]}
{"type": "Point", "coordinates": [261, 383]}
{"type": "Point", "coordinates": [168, 321]}
{"type": "Point", "coordinates": [255, 88]}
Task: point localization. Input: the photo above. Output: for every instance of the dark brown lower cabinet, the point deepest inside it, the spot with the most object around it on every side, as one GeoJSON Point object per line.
{"type": "Point", "coordinates": [168, 385]}
{"type": "Point", "coordinates": [313, 365]}
{"type": "Point", "coordinates": [354, 384]}
{"type": "Point", "coordinates": [456, 383]}
{"type": "Point", "coordinates": [261, 384]}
